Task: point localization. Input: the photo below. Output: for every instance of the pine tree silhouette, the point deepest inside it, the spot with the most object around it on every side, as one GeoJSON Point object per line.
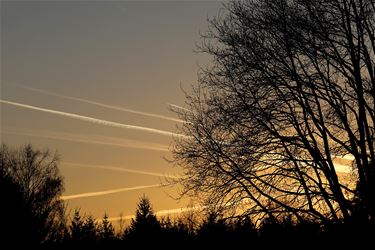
{"type": "Point", "coordinates": [90, 230]}
{"type": "Point", "coordinates": [145, 225]}
{"type": "Point", "coordinates": [76, 228]}
{"type": "Point", "coordinates": [106, 230]}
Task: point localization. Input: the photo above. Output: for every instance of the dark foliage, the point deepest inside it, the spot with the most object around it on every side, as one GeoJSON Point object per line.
{"type": "Point", "coordinates": [30, 190]}
{"type": "Point", "coordinates": [146, 230]}
{"type": "Point", "coordinates": [145, 225]}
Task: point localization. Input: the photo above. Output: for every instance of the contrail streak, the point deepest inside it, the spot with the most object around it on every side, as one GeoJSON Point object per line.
{"type": "Point", "coordinates": [107, 140]}
{"type": "Point", "coordinates": [179, 210]}
{"type": "Point", "coordinates": [113, 107]}
{"type": "Point", "coordinates": [94, 120]}
{"type": "Point", "coordinates": [178, 107]}
{"type": "Point", "coordinates": [106, 192]}
{"type": "Point", "coordinates": [162, 212]}
{"type": "Point", "coordinates": [112, 168]}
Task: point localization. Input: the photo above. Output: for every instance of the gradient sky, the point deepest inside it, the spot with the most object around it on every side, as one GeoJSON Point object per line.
{"type": "Point", "coordinates": [81, 58]}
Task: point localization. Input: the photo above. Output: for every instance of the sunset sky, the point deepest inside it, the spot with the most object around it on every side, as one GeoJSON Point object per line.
{"type": "Point", "coordinates": [94, 81]}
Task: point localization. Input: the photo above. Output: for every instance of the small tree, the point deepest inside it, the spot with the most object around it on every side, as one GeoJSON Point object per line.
{"type": "Point", "coordinates": [76, 228]}
{"type": "Point", "coordinates": [106, 230]}
{"type": "Point", "coordinates": [90, 230]}
{"type": "Point", "coordinates": [145, 225]}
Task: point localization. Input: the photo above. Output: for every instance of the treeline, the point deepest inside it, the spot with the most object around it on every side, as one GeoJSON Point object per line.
{"type": "Point", "coordinates": [34, 215]}
{"type": "Point", "coordinates": [213, 228]}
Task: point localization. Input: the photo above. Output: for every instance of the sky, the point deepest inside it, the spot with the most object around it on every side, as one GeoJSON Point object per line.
{"type": "Point", "coordinates": [93, 80]}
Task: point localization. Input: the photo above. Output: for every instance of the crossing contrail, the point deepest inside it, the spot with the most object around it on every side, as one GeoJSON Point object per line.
{"type": "Point", "coordinates": [94, 120]}
{"type": "Point", "coordinates": [104, 140]}
{"type": "Point", "coordinates": [113, 107]}
{"type": "Point", "coordinates": [106, 192]}
{"type": "Point", "coordinates": [112, 168]}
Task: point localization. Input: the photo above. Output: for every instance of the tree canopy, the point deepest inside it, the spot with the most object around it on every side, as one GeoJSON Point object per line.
{"type": "Point", "coordinates": [31, 188]}
{"type": "Point", "coordinates": [288, 98]}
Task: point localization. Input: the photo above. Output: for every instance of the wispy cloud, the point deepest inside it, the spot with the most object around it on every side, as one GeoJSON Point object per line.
{"type": "Point", "coordinates": [104, 105]}
{"type": "Point", "coordinates": [118, 169]}
{"type": "Point", "coordinates": [107, 192]}
{"type": "Point", "coordinates": [98, 140]}
{"type": "Point", "coordinates": [94, 120]}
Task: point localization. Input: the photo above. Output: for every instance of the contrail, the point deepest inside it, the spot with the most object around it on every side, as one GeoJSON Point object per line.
{"type": "Point", "coordinates": [106, 192]}
{"type": "Point", "coordinates": [178, 107]}
{"type": "Point", "coordinates": [94, 120]}
{"type": "Point", "coordinates": [76, 138]}
{"type": "Point", "coordinates": [126, 217]}
{"type": "Point", "coordinates": [180, 210]}
{"type": "Point", "coordinates": [113, 107]}
{"type": "Point", "coordinates": [162, 212]}
{"type": "Point", "coordinates": [112, 168]}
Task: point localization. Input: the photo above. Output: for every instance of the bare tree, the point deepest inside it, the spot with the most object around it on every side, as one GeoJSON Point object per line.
{"type": "Point", "coordinates": [291, 90]}
{"type": "Point", "coordinates": [40, 213]}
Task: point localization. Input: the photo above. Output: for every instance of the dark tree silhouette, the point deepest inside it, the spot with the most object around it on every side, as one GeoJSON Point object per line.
{"type": "Point", "coordinates": [290, 93]}
{"type": "Point", "coordinates": [30, 194]}
{"type": "Point", "coordinates": [176, 230]}
{"type": "Point", "coordinates": [76, 227]}
{"type": "Point", "coordinates": [90, 230]}
{"type": "Point", "coordinates": [106, 230]}
{"type": "Point", "coordinates": [244, 230]}
{"type": "Point", "coordinates": [145, 225]}
{"type": "Point", "coordinates": [11, 207]}
{"type": "Point", "coordinates": [213, 228]}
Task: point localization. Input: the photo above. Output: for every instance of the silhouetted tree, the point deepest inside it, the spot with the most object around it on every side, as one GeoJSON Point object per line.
{"type": "Point", "coordinates": [277, 230]}
{"type": "Point", "coordinates": [76, 227]}
{"type": "Point", "coordinates": [90, 230]}
{"type": "Point", "coordinates": [106, 230]}
{"type": "Point", "coordinates": [175, 230]}
{"type": "Point", "coordinates": [30, 193]}
{"type": "Point", "coordinates": [290, 91]}
{"type": "Point", "coordinates": [213, 228]}
{"type": "Point", "coordinates": [145, 225]}
{"type": "Point", "coordinates": [11, 207]}
{"type": "Point", "coordinates": [244, 230]}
